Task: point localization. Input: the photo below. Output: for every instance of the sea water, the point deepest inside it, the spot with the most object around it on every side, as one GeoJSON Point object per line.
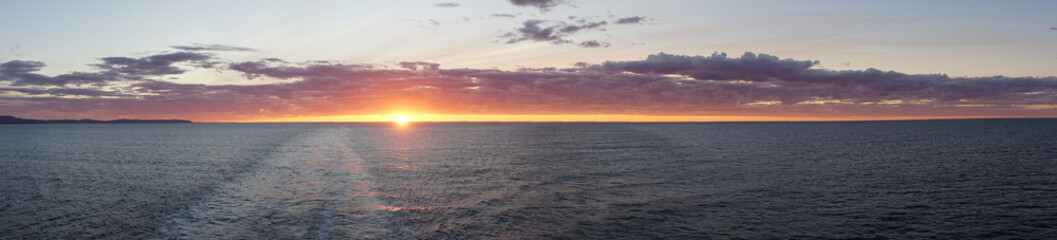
{"type": "Point", "coordinates": [906, 179]}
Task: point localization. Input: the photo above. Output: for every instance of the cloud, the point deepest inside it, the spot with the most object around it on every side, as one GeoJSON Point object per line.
{"type": "Point", "coordinates": [155, 65]}
{"type": "Point", "coordinates": [531, 31]}
{"type": "Point", "coordinates": [543, 5]}
{"type": "Point", "coordinates": [420, 66]}
{"type": "Point", "coordinates": [213, 47]}
{"type": "Point", "coordinates": [267, 67]}
{"type": "Point", "coordinates": [748, 67]}
{"type": "Point", "coordinates": [570, 29]}
{"type": "Point", "coordinates": [631, 20]}
{"type": "Point", "coordinates": [792, 81]}
{"type": "Point", "coordinates": [748, 85]}
{"type": "Point", "coordinates": [550, 31]}
{"type": "Point", "coordinates": [59, 92]}
{"type": "Point", "coordinates": [503, 15]}
{"type": "Point", "coordinates": [447, 4]}
{"type": "Point", "coordinates": [20, 73]}
{"type": "Point", "coordinates": [15, 68]}
{"type": "Point", "coordinates": [594, 44]}
{"type": "Point", "coordinates": [560, 32]}
{"type": "Point", "coordinates": [1053, 28]}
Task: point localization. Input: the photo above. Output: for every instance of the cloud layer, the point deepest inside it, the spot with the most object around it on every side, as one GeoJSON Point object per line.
{"type": "Point", "coordinates": [661, 84]}
{"type": "Point", "coordinates": [213, 47]}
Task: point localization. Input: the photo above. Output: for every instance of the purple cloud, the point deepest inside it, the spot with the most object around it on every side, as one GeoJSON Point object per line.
{"type": "Point", "coordinates": [59, 92]}
{"type": "Point", "coordinates": [20, 73]}
{"type": "Point", "coordinates": [752, 84]}
{"type": "Point", "coordinates": [631, 20]}
{"type": "Point", "coordinates": [532, 31]}
{"type": "Point", "coordinates": [156, 65]}
{"type": "Point", "coordinates": [570, 29]}
{"type": "Point", "coordinates": [554, 32]}
{"type": "Point", "coordinates": [267, 67]}
{"type": "Point", "coordinates": [213, 47]}
{"type": "Point", "coordinates": [594, 44]}
{"type": "Point", "coordinates": [543, 5]}
{"type": "Point", "coordinates": [749, 67]}
{"type": "Point", "coordinates": [15, 68]}
{"type": "Point", "coordinates": [420, 66]}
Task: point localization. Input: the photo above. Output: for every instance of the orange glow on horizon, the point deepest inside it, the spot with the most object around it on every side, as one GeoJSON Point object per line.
{"type": "Point", "coordinates": [404, 119]}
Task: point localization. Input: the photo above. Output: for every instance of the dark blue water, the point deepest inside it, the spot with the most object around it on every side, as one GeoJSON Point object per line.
{"type": "Point", "coordinates": [917, 179]}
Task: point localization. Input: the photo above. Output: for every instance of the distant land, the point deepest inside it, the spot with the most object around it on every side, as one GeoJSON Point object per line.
{"type": "Point", "coordinates": [15, 120]}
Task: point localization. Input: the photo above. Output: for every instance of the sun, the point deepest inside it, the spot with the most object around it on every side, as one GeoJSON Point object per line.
{"type": "Point", "coordinates": [401, 119]}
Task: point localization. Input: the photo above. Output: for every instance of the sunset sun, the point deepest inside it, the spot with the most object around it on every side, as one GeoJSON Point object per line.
{"type": "Point", "coordinates": [401, 119]}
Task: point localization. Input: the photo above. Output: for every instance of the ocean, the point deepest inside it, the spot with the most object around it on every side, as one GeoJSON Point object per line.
{"type": "Point", "coordinates": [947, 179]}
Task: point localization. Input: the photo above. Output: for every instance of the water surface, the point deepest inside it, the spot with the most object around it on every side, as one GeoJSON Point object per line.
{"type": "Point", "coordinates": [916, 179]}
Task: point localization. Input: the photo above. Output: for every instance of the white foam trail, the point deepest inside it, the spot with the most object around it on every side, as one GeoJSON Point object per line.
{"type": "Point", "coordinates": [315, 186]}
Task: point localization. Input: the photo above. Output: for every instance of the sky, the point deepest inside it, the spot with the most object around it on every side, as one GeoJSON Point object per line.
{"type": "Point", "coordinates": [528, 60]}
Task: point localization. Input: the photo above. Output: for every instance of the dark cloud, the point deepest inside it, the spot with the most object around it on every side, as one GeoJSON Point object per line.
{"type": "Point", "coordinates": [550, 31]}
{"type": "Point", "coordinates": [420, 66]}
{"type": "Point", "coordinates": [20, 73]}
{"type": "Point", "coordinates": [447, 5]}
{"type": "Point", "coordinates": [253, 70]}
{"type": "Point", "coordinates": [560, 32]}
{"type": "Point", "coordinates": [570, 29]}
{"type": "Point", "coordinates": [266, 67]}
{"type": "Point", "coordinates": [213, 47]}
{"type": "Point", "coordinates": [749, 85]}
{"type": "Point", "coordinates": [543, 5]}
{"type": "Point", "coordinates": [749, 67]}
{"type": "Point", "coordinates": [631, 20]}
{"type": "Point", "coordinates": [273, 60]}
{"type": "Point", "coordinates": [61, 92]}
{"type": "Point", "coordinates": [1053, 28]}
{"type": "Point", "coordinates": [15, 68]}
{"type": "Point", "coordinates": [156, 65]}
{"type": "Point", "coordinates": [503, 15]}
{"type": "Point", "coordinates": [795, 81]}
{"type": "Point", "coordinates": [532, 31]}
{"type": "Point", "coordinates": [594, 44]}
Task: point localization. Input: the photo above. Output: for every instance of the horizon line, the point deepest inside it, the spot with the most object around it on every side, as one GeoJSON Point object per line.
{"type": "Point", "coordinates": [704, 121]}
{"type": "Point", "coordinates": [564, 118]}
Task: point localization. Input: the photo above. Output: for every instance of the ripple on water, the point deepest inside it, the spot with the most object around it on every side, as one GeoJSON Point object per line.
{"type": "Point", "coordinates": [314, 187]}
